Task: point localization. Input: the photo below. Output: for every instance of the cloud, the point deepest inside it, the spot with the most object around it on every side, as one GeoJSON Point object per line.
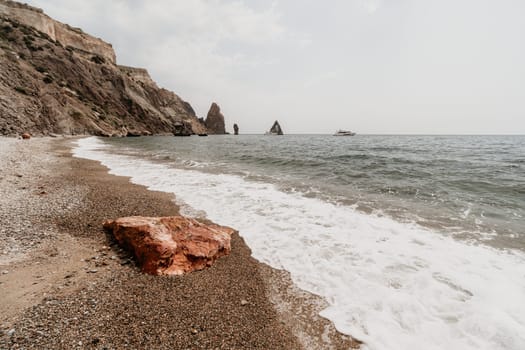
{"type": "Point", "coordinates": [321, 80]}
{"type": "Point", "coordinates": [371, 6]}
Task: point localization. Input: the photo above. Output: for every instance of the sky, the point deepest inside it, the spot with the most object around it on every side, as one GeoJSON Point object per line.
{"type": "Point", "coordinates": [370, 66]}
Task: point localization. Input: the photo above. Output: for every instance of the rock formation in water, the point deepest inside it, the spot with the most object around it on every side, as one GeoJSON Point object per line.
{"type": "Point", "coordinates": [276, 129]}
{"type": "Point", "coordinates": [235, 129]}
{"type": "Point", "coordinates": [57, 79]}
{"type": "Point", "coordinates": [182, 128]}
{"type": "Point", "coordinates": [171, 245]}
{"type": "Point", "coordinates": [215, 120]}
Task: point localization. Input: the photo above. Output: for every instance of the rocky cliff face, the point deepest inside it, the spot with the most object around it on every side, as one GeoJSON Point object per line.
{"type": "Point", "coordinates": [63, 33]}
{"type": "Point", "coordinates": [215, 120]}
{"type": "Point", "coordinates": [57, 79]}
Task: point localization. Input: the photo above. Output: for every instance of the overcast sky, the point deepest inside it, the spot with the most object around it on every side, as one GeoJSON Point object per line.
{"type": "Point", "coordinates": [372, 66]}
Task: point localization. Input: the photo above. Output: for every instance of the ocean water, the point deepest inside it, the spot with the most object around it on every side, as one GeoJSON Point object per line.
{"type": "Point", "coordinates": [415, 242]}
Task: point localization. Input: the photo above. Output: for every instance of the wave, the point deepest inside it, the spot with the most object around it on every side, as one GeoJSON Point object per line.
{"type": "Point", "coordinates": [282, 161]}
{"type": "Point", "coordinates": [393, 285]}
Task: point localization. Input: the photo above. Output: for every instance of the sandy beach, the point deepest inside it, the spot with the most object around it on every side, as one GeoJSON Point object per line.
{"type": "Point", "coordinates": [65, 284]}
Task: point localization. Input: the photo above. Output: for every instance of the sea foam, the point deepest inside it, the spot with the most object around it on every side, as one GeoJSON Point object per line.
{"type": "Point", "coordinates": [392, 285]}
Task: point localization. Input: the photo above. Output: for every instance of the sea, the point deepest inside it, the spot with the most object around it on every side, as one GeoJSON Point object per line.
{"type": "Point", "coordinates": [415, 242]}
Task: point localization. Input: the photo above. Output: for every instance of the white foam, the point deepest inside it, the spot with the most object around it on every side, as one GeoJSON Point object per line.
{"type": "Point", "coordinates": [390, 284]}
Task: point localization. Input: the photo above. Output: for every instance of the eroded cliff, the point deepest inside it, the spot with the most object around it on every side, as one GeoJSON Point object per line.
{"type": "Point", "coordinates": [58, 79]}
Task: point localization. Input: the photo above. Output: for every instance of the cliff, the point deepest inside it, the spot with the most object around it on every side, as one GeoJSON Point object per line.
{"type": "Point", "coordinates": [63, 33]}
{"type": "Point", "coordinates": [57, 79]}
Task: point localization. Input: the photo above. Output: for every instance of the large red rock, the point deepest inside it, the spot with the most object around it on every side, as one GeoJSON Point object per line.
{"type": "Point", "coordinates": [171, 245]}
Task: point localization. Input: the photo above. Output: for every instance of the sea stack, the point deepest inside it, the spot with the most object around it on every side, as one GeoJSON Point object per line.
{"type": "Point", "coordinates": [215, 120]}
{"type": "Point", "coordinates": [276, 129]}
{"type": "Point", "coordinates": [236, 129]}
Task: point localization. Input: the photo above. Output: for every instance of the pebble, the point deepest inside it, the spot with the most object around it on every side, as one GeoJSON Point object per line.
{"type": "Point", "coordinates": [244, 302]}
{"type": "Point", "coordinates": [10, 332]}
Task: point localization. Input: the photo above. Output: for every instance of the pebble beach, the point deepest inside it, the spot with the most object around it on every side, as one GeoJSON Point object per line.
{"type": "Point", "coordinates": [65, 284]}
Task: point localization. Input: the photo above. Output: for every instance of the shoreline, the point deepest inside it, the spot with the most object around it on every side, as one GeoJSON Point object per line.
{"type": "Point", "coordinates": [77, 289]}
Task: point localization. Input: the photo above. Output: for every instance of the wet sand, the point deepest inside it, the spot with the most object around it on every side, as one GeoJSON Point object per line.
{"type": "Point", "coordinates": [65, 284]}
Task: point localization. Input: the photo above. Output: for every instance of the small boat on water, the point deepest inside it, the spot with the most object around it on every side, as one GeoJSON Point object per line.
{"type": "Point", "coordinates": [344, 133]}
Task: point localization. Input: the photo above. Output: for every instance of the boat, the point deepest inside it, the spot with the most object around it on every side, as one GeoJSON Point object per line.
{"type": "Point", "coordinates": [344, 133]}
